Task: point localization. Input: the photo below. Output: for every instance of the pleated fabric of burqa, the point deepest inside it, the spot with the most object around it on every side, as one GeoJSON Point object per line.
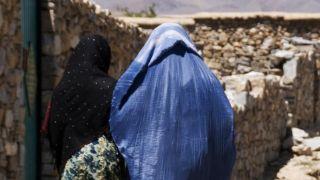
{"type": "Point", "coordinates": [170, 117]}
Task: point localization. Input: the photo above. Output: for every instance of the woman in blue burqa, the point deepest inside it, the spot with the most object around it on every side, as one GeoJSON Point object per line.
{"type": "Point", "coordinates": [170, 117]}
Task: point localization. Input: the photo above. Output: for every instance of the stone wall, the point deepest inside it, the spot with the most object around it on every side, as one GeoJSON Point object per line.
{"type": "Point", "coordinates": [282, 92]}
{"type": "Point", "coordinates": [259, 133]}
{"type": "Point", "coordinates": [268, 45]}
{"type": "Point", "coordinates": [11, 100]}
{"type": "Point", "coordinates": [264, 102]}
{"type": "Point", "coordinates": [237, 46]}
{"type": "Point", "coordinates": [266, 106]}
{"type": "Point", "coordinates": [317, 86]}
{"type": "Point", "coordinates": [299, 82]}
{"type": "Point", "coordinates": [64, 22]}
{"type": "Point", "coordinates": [286, 92]}
{"type": "Point", "coordinates": [234, 43]}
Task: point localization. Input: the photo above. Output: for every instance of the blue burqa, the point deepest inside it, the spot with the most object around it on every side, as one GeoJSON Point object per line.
{"type": "Point", "coordinates": [170, 117]}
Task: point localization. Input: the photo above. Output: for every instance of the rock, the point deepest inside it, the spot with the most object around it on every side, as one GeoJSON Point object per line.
{"type": "Point", "coordinates": [251, 42]}
{"type": "Point", "coordinates": [258, 79]}
{"type": "Point", "coordinates": [51, 45]}
{"type": "Point", "coordinates": [200, 43]}
{"type": "Point", "coordinates": [9, 119]}
{"type": "Point", "coordinates": [51, 5]}
{"type": "Point", "coordinates": [243, 61]}
{"type": "Point", "coordinates": [217, 48]}
{"type": "Point", "coordinates": [228, 48]}
{"type": "Point", "coordinates": [4, 95]}
{"type": "Point", "coordinates": [2, 117]}
{"type": "Point", "coordinates": [12, 59]}
{"type": "Point", "coordinates": [214, 65]}
{"type": "Point", "coordinates": [300, 41]}
{"type": "Point", "coordinates": [57, 45]}
{"type": "Point", "coordinates": [98, 9]}
{"type": "Point", "coordinates": [1, 17]}
{"type": "Point", "coordinates": [313, 143]}
{"type": "Point", "coordinates": [13, 77]}
{"type": "Point", "coordinates": [298, 135]}
{"type": "Point", "coordinates": [302, 150]}
{"type": "Point", "coordinates": [287, 46]}
{"type": "Point", "coordinates": [243, 69]}
{"type": "Point", "coordinates": [236, 83]}
{"type": "Point", "coordinates": [207, 53]}
{"type": "Point", "coordinates": [314, 36]}
{"type": "Point", "coordinates": [284, 54]}
{"type": "Point", "coordinates": [74, 41]}
{"type": "Point", "coordinates": [290, 71]}
{"type": "Point", "coordinates": [2, 60]}
{"type": "Point", "coordinates": [298, 168]}
{"type": "Point", "coordinates": [47, 41]}
{"type": "Point", "coordinates": [227, 55]}
{"type": "Point", "coordinates": [223, 38]}
{"type": "Point", "coordinates": [11, 148]}
{"type": "Point", "coordinates": [253, 31]}
{"type": "Point", "coordinates": [12, 29]}
{"type": "Point", "coordinates": [3, 163]}
{"type": "Point", "coordinates": [238, 100]}
{"type": "Point", "coordinates": [267, 43]}
{"type": "Point", "coordinates": [249, 50]}
{"type": "Point", "coordinates": [236, 44]}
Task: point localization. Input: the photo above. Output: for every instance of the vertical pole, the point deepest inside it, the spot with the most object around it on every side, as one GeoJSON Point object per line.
{"type": "Point", "coordinates": [30, 57]}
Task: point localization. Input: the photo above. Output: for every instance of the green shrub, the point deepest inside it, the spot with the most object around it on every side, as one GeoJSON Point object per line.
{"type": "Point", "coordinates": [150, 12]}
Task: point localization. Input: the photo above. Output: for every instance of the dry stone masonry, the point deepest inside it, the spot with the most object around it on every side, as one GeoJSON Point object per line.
{"type": "Point", "coordinates": [276, 55]}
{"type": "Point", "coordinates": [259, 133]}
{"type": "Point", "coordinates": [268, 66]}
{"type": "Point", "coordinates": [261, 65]}
{"type": "Point", "coordinates": [11, 100]}
{"type": "Point", "coordinates": [299, 82]}
{"type": "Point", "coordinates": [64, 22]}
{"type": "Point", "coordinates": [271, 46]}
{"type": "Point", "coordinates": [267, 45]}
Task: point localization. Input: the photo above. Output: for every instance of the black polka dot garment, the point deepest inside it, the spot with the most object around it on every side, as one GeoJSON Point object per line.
{"type": "Point", "coordinates": [81, 101]}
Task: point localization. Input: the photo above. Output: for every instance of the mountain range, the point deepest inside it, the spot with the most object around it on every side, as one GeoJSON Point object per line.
{"type": "Point", "coordinates": [163, 7]}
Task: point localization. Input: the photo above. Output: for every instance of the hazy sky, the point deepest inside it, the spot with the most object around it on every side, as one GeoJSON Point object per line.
{"type": "Point", "coordinates": [192, 6]}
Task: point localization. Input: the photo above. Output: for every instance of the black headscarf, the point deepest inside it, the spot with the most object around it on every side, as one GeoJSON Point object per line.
{"type": "Point", "coordinates": [81, 101]}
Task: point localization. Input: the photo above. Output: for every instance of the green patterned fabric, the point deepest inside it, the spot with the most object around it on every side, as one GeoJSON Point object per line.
{"type": "Point", "coordinates": [97, 160]}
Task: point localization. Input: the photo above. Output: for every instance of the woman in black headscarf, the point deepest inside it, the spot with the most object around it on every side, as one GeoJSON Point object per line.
{"type": "Point", "coordinates": [78, 128]}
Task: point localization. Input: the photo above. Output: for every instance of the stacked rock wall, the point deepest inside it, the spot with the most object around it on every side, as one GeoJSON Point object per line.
{"type": "Point", "coordinates": [11, 100]}
{"type": "Point", "coordinates": [259, 133]}
{"type": "Point", "coordinates": [237, 46]}
{"type": "Point", "coordinates": [288, 81]}
{"type": "Point", "coordinates": [299, 83]}
{"type": "Point", "coordinates": [231, 47]}
{"type": "Point", "coordinates": [64, 22]}
{"type": "Point", "coordinates": [263, 101]}
{"type": "Point", "coordinates": [267, 45]}
{"type": "Point", "coordinates": [317, 84]}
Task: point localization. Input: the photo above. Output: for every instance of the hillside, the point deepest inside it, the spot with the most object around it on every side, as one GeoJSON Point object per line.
{"type": "Point", "coordinates": [191, 6]}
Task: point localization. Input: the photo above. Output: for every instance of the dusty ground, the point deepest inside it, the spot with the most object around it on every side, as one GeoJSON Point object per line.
{"type": "Point", "coordinates": [301, 162]}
